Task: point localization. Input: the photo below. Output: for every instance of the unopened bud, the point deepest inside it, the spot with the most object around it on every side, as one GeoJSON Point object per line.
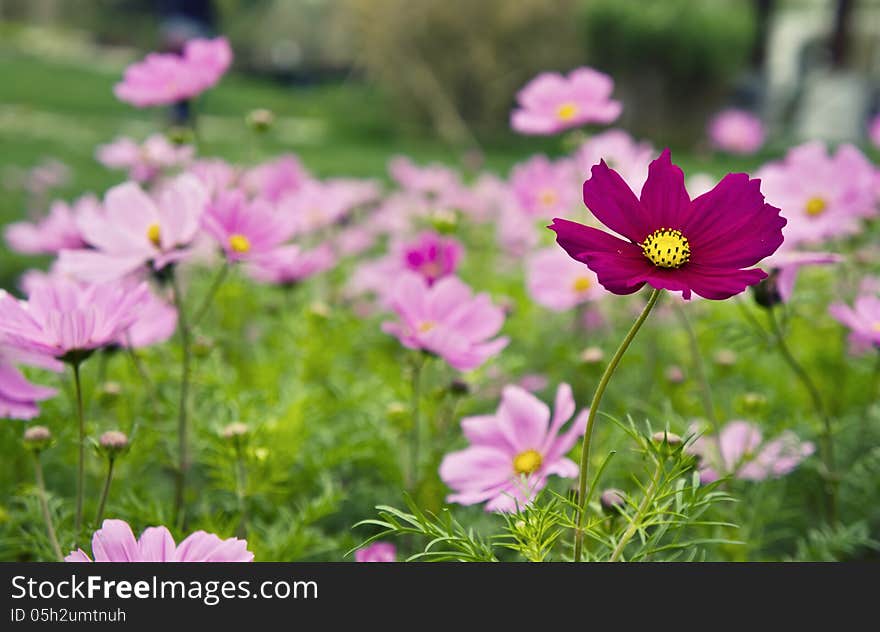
{"type": "Point", "coordinates": [234, 431]}
{"type": "Point", "coordinates": [669, 438]}
{"type": "Point", "coordinates": [113, 443]}
{"type": "Point", "coordinates": [37, 438]}
{"type": "Point", "coordinates": [674, 374]}
{"type": "Point", "coordinates": [612, 500]}
{"type": "Point", "coordinates": [592, 355]}
{"type": "Point", "coordinates": [459, 387]}
{"type": "Point", "coordinates": [180, 135]}
{"type": "Point", "coordinates": [754, 402]}
{"type": "Point", "coordinates": [444, 221]}
{"type": "Point", "coordinates": [260, 120]}
{"type": "Point", "coordinates": [725, 357]}
{"type": "Point", "coordinates": [766, 293]}
{"type": "Point", "coordinates": [111, 389]}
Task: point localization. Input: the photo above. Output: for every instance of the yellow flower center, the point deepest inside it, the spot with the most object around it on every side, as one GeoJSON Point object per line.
{"type": "Point", "coordinates": [527, 462]}
{"type": "Point", "coordinates": [816, 206]}
{"type": "Point", "coordinates": [876, 326]}
{"type": "Point", "coordinates": [239, 243]}
{"type": "Point", "coordinates": [154, 234]}
{"type": "Point", "coordinates": [581, 284]}
{"type": "Point", "coordinates": [426, 326]}
{"type": "Point", "coordinates": [548, 197]}
{"type": "Point", "coordinates": [667, 248]}
{"type": "Point", "coordinates": [567, 111]}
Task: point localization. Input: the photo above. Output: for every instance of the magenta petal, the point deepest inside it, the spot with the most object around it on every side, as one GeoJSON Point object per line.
{"type": "Point", "coordinates": [664, 196]}
{"type": "Point", "coordinates": [715, 283]}
{"type": "Point", "coordinates": [614, 204]}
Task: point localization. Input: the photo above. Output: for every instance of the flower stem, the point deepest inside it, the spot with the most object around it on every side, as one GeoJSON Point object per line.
{"type": "Point", "coordinates": [209, 296]}
{"type": "Point", "coordinates": [416, 436]}
{"type": "Point", "coordinates": [44, 506]}
{"type": "Point", "coordinates": [591, 419]}
{"type": "Point", "coordinates": [240, 491]}
{"type": "Point", "coordinates": [827, 434]}
{"type": "Point", "coordinates": [699, 369]}
{"type": "Point", "coordinates": [80, 476]}
{"type": "Point", "coordinates": [183, 405]}
{"type": "Point", "coordinates": [106, 492]}
{"type": "Point", "coordinates": [640, 513]}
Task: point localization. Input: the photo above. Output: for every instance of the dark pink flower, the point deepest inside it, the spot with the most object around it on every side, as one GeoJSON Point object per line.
{"type": "Point", "coordinates": [671, 242]}
{"type": "Point", "coordinates": [115, 542]}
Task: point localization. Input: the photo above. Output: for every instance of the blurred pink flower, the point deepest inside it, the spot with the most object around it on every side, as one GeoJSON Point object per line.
{"type": "Point", "coordinates": [155, 323]}
{"type": "Point", "coordinates": [863, 321]}
{"type": "Point", "coordinates": [18, 397]}
{"type": "Point", "coordinates": [215, 174]}
{"type": "Point", "coordinates": [445, 319]}
{"type": "Point", "coordinates": [354, 240]}
{"type": "Point", "coordinates": [516, 231]}
{"type": "Point", "coordinates": [736, 131]}
{"type": "Point", "coordinates": [545, 189]}
{"type": "Point", "coordinates": [64, 318]}
{"type": "Point", "coordinates": [551, 103]}
{"type": "Point", "coordinates": [276, 179]}
{"type": "Point", "coordinates": [53, 233]}
{"type": "Point", "coordinates": [377, 552]}
{"type": "Point", "coordinates": [784, 264]}
{"type": "Point", "coordinates": [316, 205]}
{"type": "Point", "coordinates": [134, 230]}
{"type": "Point", "coordinates": [558, 282]}
{"type": "Point", "coordinates": [742, 453]}
{"type": "Point", "coordinates": [115, 542]}
{"type": "Point", "coordinates": [513, 451]}
{"type": "Point", "coordinates": [822, 196]}
{"type": "Point", "coordinates": [290, 264]}
{"type": "Point", "coordinates": [163, 78]}
{"type": "Point", "coordinates": [621, 152]}
{"type": "Point", "coordinates": [874, 130]}
{"type": "Point", "coordinates": [432, 179]}
{"type": "Point", "coordinates": [244, 228]}
{"type": "Point", "coordinates": [146, 161]}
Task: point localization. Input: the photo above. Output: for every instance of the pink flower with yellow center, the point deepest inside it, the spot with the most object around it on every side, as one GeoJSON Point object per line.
{"type": "Point", "coordinates": [863, 321]}
{"type": "Point", "coordinates": [543, 188]}
{"type": "Point", "coordinates": [558, 282]}
{"type": "Point", "coordinates": [244, 228]}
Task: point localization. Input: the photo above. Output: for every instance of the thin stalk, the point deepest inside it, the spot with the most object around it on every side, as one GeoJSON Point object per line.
{"type": "Point", "coordinates": [105, 492]}
{"type": "Point", "coordinates": [183, 404]}
{"type": "Point", "coordinates": [240, 491]}
{"type": "Point", "coordinates": [44, 507]}
{"type": "Point", "coordinates": [699, 369]}
{"type": "Point", "coordinates": [640, 513]}
{"type": "Point", "coordinates": [591, 420]}
{"type": "Point", "coordinates": [416, 436]}
{"type": "Point", "coordinates": [813, 391]}
{"type": "Point", "coordinates": [80, 475]}
{"type": "Point", "coordinates": [209, 296]}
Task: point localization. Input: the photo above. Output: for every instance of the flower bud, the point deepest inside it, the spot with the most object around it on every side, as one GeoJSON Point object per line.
{"type": "Point", "coordinates": [37, 438]}
{"type": "Point", "coordinates": [612, 500]}
{"type": "Point", "coordinates": [665, 437]}
{"type": "Point", "coordinates": [459, 387]}
{"type": "Point", "coordinates": [766, 293]}
{"type": "Point", "coordinates": [234, 431]}
{"type": "Point", "coordinates": [592, 355]}
{"type": "Point", "coordinates": [111, 389]}
{"type": "Point", "coordinates": [754, 402]}
{"type": "Point", "coordinates": [260, 120]}
{"type": "Point", "coordinates": [202, 346]}
{"type": "Point", "coordinates": [674, 374]}
{"type": "Point", "coordinates": [113, 443]}
{"type": "Point", "coordinates": [444, 221]}
{"type": "Point", "coordinates": [180, 135]}
{"type": "Point", "coordinates": [725, 357]}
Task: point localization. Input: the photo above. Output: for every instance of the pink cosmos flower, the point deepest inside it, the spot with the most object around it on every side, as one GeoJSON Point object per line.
{"type": "Point", "coordinates": [316, 205]}
{"type": "Point", "coordinates": [543, 188]}
{"type": "Point", "coordinates": [215, 174]}
{"type": "Point", "coordinates": [736, 131]}
{"type": "Point", "coordinates": [146, 161]}
{"type": "Point", "coordinates": [551, 103]}
{"type": "Point", "coordinates": [135, 230]}
{"type": "Point", "coordinates": [155, 323]}
{"type": "Point", "coordinates": [516, 233]}
{"type": "Point", "coordinates": [377, 552]}
{"type": "Point", "coordinates": [874, 130]}
{"type": "Point", "coordinates": [290, 264]}
{"type": "Point", "coordinates": [671, 242]}
{"type": "Point", "coordinates": [822, 196]}
{"type": "Point", "coordinates": [55, 232]}
{"type": "Point", "coordinates": [620, 152]}
{"type": "Point", "coordinates": [432, 179]}
{"type": "Point", "coordinates": [863, 321]}
{"type": "Point", "coordinates": [513, 451]}
{"type": "Point", "coordinates": [446, 319]}
{"type": "Point", "coordinates": [276, 179]}
{"type": "Point", "coordinates": [63, 318]}
{"type": "Point", "coordinates": [742, 453]}
{"type": "Point", "coordinates": [163, 79]}
{"type": "Point", "coordinates": [115, 542]}
{"type": "Point", "coordinates": [18, 397]}
{"type": "Point", "coordinates": [558, 282]}
{"type": "Point", "coordinates": [354, 240]}
{"type": "Point", "coordinates": [245, 229]}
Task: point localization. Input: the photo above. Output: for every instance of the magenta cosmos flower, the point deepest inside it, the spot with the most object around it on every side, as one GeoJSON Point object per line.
{"type": "Point", "coordinates": [55, 232]}
{"type": "Point", "coordinates": [551, 103]}
{"type": "Point", "coordinates": [66, 319]}
{"type": "Point", "coordinates": [742, 453]}
{"type": "Point", "coordinates": [135, 230]}
{"type": "Point", "coordinates": [514, 451]}
{"type": "Point", "coordinates": [115, 542]}
{"type": "Point", "coordinates": [736, 132]}
{"type": "Point", "coordinates": [446, 319]}
{"type": "Point", "coordinates": [558, 282]}
{"type": "Point", "coordinates": [863, 321]}
{"type": "Point", "coordinates": [163, 78]}
{"type": "Point", "coordinates": [822, 196]}
{"type": "Point", "coordinates": [672, 242]}
{"type": "Point", "coordinates": [377, 552]}
{"type": "Point", "coordinates": [146, 161]}
{"type": "Point", "coordinates": [544, 188]}
{"type": "Point", "coordinates": [18, 397]}
{"type": "Point", "coordinates": [246, 228]}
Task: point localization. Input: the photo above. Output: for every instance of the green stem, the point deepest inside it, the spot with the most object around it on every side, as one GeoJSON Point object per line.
{"type": "Point", "coordinates": [105, 492]}
{"type": "Point", "coordinates": [209, 296]}
{"type": "Point", "coordinates": [183, 405]}
{"type": "Point", "coordinates": [416, 436]}
{"type": "Point", "coordinates": [44, 507]}
{"type": "Point", "coordinates": [80, 476]}
{"type": "Point", "coordinates": [827, 434]}
{"type": "Point", "coordinates": [591, 419]}
{"type": "Point", "coordinates": [240, 492]}
{"type": "Point", "coordinates": [640, 513]}
{"type": "Point", "coordinates": [699, 369]}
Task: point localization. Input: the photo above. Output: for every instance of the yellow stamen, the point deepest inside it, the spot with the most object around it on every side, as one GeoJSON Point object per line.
{"type": "Point", "coordinates": [426, 326]}
{"type": "Point", "coordinates": [667, 248]}
{"type": "Point", "coordinates": [239, 243]}
{"type": "Point", "coordinates": [527, 462]}
{"type": "Point", "coordinates": [876, 326]}
{"type": "Point", "coordinates": [548, 197]}
{"type": "Point", "coordinates": [582, 284]}
{"type": "Point", "coordinates": [567, 111]}
{"type": "Point", "coordinates": [154, 234]}
{"type": "Point", "coordinates": [816, 206]}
